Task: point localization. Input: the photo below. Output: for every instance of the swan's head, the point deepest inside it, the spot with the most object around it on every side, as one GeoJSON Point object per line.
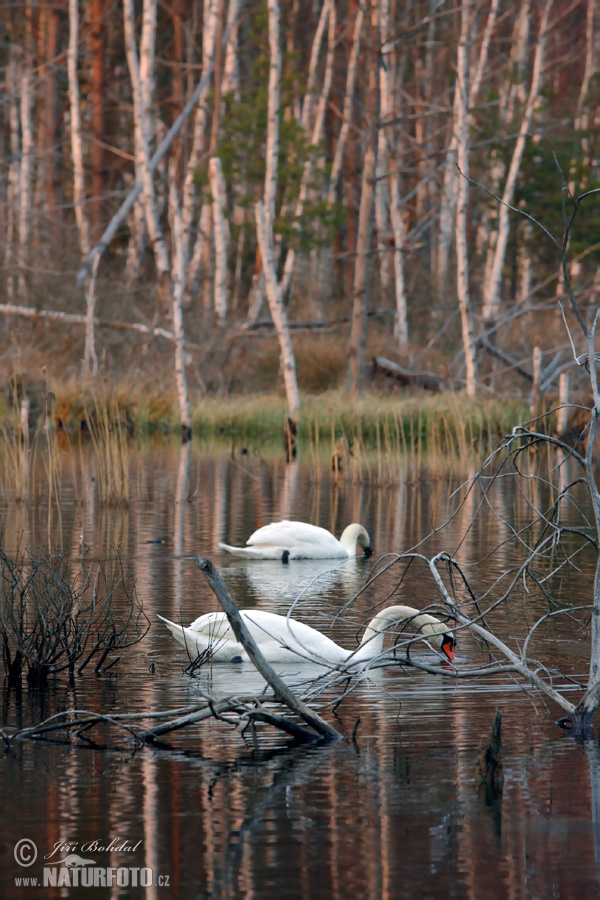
{"type": "Point", "coordinates": [355, 535]}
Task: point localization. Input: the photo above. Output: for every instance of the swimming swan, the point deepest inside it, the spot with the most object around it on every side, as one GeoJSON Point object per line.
{"type": "Point", "coordinates": [282, 639]}
{"type": "Point", "coordinates": [299, 540]}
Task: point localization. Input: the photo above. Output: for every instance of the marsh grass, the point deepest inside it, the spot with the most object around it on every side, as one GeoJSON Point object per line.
{"type": "Point", "coordinates": [109, 433]}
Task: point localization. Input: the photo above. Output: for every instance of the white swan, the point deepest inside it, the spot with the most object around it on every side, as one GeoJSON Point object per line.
{"type": "Point", "coordinates": [298, 540]}
{"type": "Point", "coordinates": [283, 639]}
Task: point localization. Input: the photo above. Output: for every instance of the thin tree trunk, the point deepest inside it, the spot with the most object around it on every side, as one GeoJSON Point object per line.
{"type": "Point", "coordinates": [286, 350]}
{"type": "Point", "coordinates": [209, 33]}
{"type": "Point", "coordinates": [141, 73]}
{"type": "Point", "coordinates": [231, 68]}
{"type": "Point", "coordinates": [449, 198]}
{"type": "Point", "coordinates": [178, 329]}
{"type": "Point", "coordinates": [338, 156]}
{"type": "Point", "coordinates": [76, 139]}
{"type": "Point", "coordinates": [272, 148]}
{"type": "Point", "coordinates": [492, 285]}
{"type": "Point", "coordinates": [25, 174]}
{"type": "Point", "coordinates": [461, 129]}
{"type": "Point", "coordinates": [97, 44]}
{"type": "Point", "coordinates": [217, 188]}
{"type": "Point", "coordinates": [12, 190]}
{"type": "Point", "coordinates": [358, 332]}
{"type": "Point", "coordinates": [316, 136]}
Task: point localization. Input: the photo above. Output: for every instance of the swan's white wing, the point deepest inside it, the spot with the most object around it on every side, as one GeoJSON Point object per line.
{"type": "Point", "coordinates": [299, 538]}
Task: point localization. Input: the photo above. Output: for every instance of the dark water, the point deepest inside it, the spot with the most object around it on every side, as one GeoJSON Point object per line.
{"type": "Point", "coordinates": [395, 809]}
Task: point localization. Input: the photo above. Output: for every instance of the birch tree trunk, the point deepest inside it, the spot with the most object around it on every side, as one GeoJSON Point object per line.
{"type": "Point", "coordinates": [265, 216]}
{"type": "Point", "coordinates": [25, 174]}
{"type": "Point", "coordinates": [492, 284]}
{"type": "Point", "coordinates": [178, 329]}
{"type": "Point", "coordinates": [209, 34]}
{"type": "Point", "coordinates": [449, 198]}
{"type": "Point", "coordinates": [89, 355]}
{"type": "Point", "coordinates": [358, 332]}
{"type": "Point", "coordinates": [231, 68]}
{"type": "Point", "coordinates": [272, 148]}
{"type": "Point", "coordinates": [338, 156]}
{"type": "Point", "coordinates": [216, 184]}
{"type": "Point", "coordinates": [286, 350]}
{"type": "Point", "coordinates": [12, 188]}
{"type": "Point", "coordinates": [316, 136]}
{"type": "Point", "coordinates": [380, 19]}
{"type": "Point", "coordinates": [141, 73]}
{"type": "Point", "coordinates": [461, 130]}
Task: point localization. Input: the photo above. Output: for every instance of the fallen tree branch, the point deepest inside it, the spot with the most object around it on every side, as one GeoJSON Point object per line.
{"type": "Point", "coordinates": [280, 689]}
{"type": "Point", "coordinates": [10, 309]}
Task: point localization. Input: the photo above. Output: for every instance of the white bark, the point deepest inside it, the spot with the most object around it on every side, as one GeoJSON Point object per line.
{"type": "Point", "coordinates": [380, 18]}
{"type": "Point", "coordinates": [209, 34]}
{"type": "Point", "coordinates": [492, 284]}
{"type": "Point", "coordinates": [12, 191]}
{"type": "Point", "coordinates": [178, 329]}
{"type": "Point", "coordinates": [135, 192]}
{"type": "Point", "coordinates": [217, 187]}
{"type": "Point", "coordinates": [272, 149]}
{"type": "Point", "coordinates": [450, 189]}
{"type": "Point", "coordinates": [76, 140]}
{"type": "Point", "coordinates": [359, 303]}
{"type": "Point", "coordinates": [265, 241]}
{"type": "Point", "coordinates": [309, 96]}
{"type": "Point", "coordinates": [399, 230]}
{"type": "Point", "coordinates": [231, 68]}
{"type": "Point", "coordinates": [461, 129]}
{"type": "Point", "coordinates": [25, 174]}
{"type": "Point", "coordinates": [202, 237]}
{"type": "Point", "coordinates": [338, 156]}
{"type": "Point", "coordinates": [142, 98]}
{"type": "Point", "coordinates": [328, 11]}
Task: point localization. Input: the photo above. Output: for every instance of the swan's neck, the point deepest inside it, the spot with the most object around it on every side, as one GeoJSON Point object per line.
{"type": "Point", "coordinates": [350, 536]}
{"type": "Point", "coordinates": [417, 622]}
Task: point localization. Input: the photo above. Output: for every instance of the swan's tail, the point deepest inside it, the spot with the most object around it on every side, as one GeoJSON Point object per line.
{"type": "Point", "coordinates": [244, 552]}
{"type": "Point", "coordinates": [178, 631]}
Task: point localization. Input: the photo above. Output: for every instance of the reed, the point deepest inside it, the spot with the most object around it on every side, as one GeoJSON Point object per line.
{"type": "Point", "coordinates": [110, 441]}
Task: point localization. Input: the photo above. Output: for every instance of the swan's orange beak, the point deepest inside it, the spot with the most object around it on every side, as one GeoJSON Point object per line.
{"type": "Point", "coordinates": [448, 646]}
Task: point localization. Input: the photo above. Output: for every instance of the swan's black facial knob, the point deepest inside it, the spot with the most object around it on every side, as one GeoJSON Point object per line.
{"type": "Point", "coordinates": [448, 644]}
{"type": "Point", "coordinates": [368, 552]}
{"type": "Point", "coordinates": [285, 557]}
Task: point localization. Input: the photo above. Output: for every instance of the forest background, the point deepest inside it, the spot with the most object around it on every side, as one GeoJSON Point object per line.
{"type": "Point", "coordinates": [246, 196]}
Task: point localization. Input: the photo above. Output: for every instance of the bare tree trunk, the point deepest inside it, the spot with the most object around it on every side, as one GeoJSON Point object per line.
{"type": "Point", "coordinates": [338, 156]}
{"type": "Point", "coordinates": [449, 198]}
{"type": "Point", "coordinates": [272, 149]}
{"type": "Point", "coordinates": [178, 329]}
{"type": "Point", "coordinates": [76, 139]}
{"type": "Point", "coordinates": [97, 43]}
{"type": "Point", "coordinates": [380, 20]}
{"type": "Point", "coordinates": [316, 136]}
{"type": "Point", "coordinates": [461, 130]}
{"type": "Point", "coordinates": [209, 34]}
{"type": "Point", "coordinates": [492, 284]}
{"type": "Point", "coordinates": [142, 78]}
{"type": "Point", "coordinates": [358, 332]}
{"type": "Point", "coordinates": [288, 362]}
{"type": "Point", "coordinates": [217, 188]}
{"type": "Point", "coordinates": [231, 68]}
{"type": "Point", "coordinates": [25, 174]}
{"type": "Point", "coordinates": [12, 189]}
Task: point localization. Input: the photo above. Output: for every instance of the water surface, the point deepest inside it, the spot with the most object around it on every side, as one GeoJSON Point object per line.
{"type": "Point", "coordinates": [394, 809]}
